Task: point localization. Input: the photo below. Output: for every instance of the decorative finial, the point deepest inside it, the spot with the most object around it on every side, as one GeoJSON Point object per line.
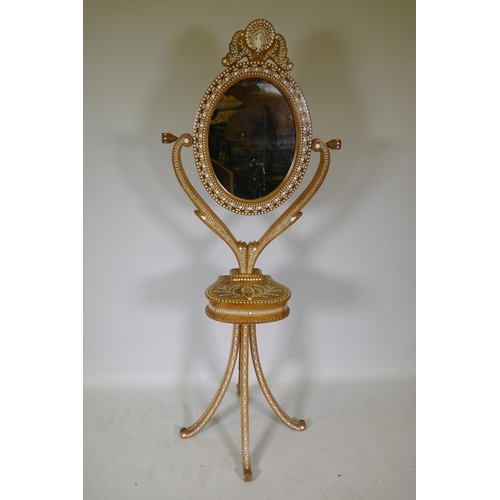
{"type": "Point", "coordinates": [259, 42]}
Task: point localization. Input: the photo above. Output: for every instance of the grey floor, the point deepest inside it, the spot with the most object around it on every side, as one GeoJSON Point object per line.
{"type": "Point", "coordinates": [359, 444]}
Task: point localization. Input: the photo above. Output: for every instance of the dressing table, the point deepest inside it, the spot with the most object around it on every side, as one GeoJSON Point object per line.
{"type": "Point", "coordinates": [252, 143]}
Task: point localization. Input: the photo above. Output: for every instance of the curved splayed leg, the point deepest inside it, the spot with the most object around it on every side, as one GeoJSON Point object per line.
{"type": "Point", "coordinates": [296, 425]}
{"type": "Point", "coordinates": [221, 391]}
{"type": "Point", "coordinates": [238, 385]}
{"type": "Point", "coordinates": [245, 426]}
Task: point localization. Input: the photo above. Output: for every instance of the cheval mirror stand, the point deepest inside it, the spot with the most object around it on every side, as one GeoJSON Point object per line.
{"type": "Point", "coordinates": [252, 143]}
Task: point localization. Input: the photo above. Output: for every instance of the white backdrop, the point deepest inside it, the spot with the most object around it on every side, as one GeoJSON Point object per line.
{"type": "Point", "coordinates": [349, 261]}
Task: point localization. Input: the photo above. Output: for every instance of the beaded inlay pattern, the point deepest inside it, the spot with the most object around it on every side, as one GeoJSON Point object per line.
{"type": "Point", "coordinates": [303, 127]}
{"type": "Point", "coordinates": [249, 319]}
{"type": "Point", "coordinates": [226, 379]}
{"type": "Point", "coordinates": [247, 297]}
{"type": "Point", "coordinates": [296, 425]}
{"type": "Point", "coordinates": [245, 428]}
{"type": "Point", "coordinates": [258, 42]}
{"type": "Point", "coordinates": [247, 253]}
{"type": "Point", "coordinates": [237, 291]}
{"type": "Point", "coordinates": [293, 213]}
{"type": "Point", "coordinates": [237, 312]}
{"type": "Point", "coordinates": [203, 211]}
{"type": "Point", "coordinates": [246, 277]}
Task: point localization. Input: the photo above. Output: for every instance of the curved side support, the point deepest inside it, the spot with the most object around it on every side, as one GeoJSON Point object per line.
{"type": "Point", "coordinates": [221, 391]}
{"type": "Point", "coordinates": [296, 425]}
{"type": "Point", "coordinates": [293, 213]}
{"type": "Point", "coordinates": [204, 213]}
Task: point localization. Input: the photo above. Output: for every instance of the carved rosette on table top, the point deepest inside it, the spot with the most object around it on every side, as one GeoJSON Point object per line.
{"type": "Point", "coordinates": [252, 143]}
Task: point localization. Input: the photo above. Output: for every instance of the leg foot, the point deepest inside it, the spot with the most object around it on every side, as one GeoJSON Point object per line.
{"type": "Point", "coordinates": [247, 475]}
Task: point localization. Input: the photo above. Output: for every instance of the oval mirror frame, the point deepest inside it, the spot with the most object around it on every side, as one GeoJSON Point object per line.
{"type": "Point", "coordinates": [303, 136]}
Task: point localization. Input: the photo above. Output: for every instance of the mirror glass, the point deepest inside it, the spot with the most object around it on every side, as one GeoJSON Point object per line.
{"type": "Point", "coordinates": [251, 139]}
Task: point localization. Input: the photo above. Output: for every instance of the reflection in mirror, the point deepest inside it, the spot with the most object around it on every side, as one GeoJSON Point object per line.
{"type": "Point", "coordinates": [252, 139]}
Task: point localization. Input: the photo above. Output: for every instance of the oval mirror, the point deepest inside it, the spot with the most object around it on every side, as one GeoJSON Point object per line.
{"type": "Point", "coordinates": [252, 138]}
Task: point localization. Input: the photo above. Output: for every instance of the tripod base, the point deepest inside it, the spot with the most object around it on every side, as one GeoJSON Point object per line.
{"type": "Point", "coordinates": [244, 341]}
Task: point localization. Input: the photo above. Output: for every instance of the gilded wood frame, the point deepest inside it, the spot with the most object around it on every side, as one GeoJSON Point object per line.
{"type": "Point", "coordinates": [303, 136]}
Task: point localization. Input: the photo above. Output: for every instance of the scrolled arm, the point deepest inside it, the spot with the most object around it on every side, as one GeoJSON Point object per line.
{"type": "Point", "coordinates": [293, 213]}
{"type": "Point", "coordinates": [203, 211]}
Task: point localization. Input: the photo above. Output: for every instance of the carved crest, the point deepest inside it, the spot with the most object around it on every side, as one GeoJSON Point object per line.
{"type": "Point", "coordinates": [258, 42]}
